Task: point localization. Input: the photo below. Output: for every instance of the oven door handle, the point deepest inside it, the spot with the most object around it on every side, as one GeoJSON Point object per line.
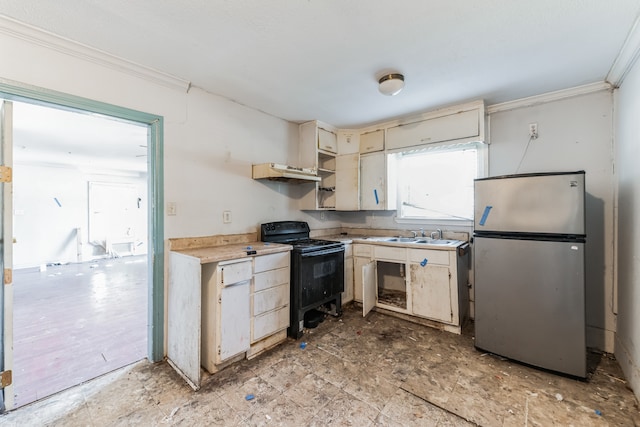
{"type": "Point", "coordinates": [322, 252]}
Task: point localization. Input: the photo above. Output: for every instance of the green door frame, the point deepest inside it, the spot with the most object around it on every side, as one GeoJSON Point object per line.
{"type": "Point", "coordinates": [19, 92]}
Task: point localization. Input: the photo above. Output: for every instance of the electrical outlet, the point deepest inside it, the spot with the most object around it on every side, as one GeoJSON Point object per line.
{"type": "Point", "coordinates": [533, 130]}
{"type": "Point", "coordinates": [322, 216]}
{"type": "Point", "coordinates": [226, 217]}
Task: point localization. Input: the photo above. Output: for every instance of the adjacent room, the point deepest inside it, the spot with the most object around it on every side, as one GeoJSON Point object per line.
{"type": "Point", "coordinates": [350, 213]}
{"type": "Point", "coordinates": [80, 248]}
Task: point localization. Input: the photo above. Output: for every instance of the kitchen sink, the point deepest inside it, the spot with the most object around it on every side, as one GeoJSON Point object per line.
{"type": "Point", "coordinates": [419, 240]}
{"type": "Point", "coordinates": [439, 241]}
{"type": "Point", "coordinates": [402, 239]}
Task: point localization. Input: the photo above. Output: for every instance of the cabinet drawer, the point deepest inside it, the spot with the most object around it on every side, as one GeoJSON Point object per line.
{"type": "Point", "coordinates": [271, 261]}
{"type": "Point", "coordinates": [269, 323]}
{"type": "Point", "coordinates": [363, 250]}
{"type": "Point", "coordinates": [432, 256]}
{"type": "Point", "coordinates": [386, 252]}
{"type": "Point", "coordinates": [372, 141]}
{"type": "Point", "coordinates": [270, 299]}
{"type": "Point", "coordinates": [234, 272]}
{"type": "Point", "coordinates": [271, 278]}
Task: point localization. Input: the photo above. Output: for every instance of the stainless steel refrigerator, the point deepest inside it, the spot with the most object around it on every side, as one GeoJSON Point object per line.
{"type": "Point", "coordinates": [529, 239]}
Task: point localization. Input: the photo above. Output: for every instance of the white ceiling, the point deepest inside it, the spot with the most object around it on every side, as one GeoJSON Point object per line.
{"type": "Point", "coordinates": [95, 144]}
{"type": "Point", "coordinates": [320, 59]}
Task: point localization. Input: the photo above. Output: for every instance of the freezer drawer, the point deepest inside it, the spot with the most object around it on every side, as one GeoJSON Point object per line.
{"type": "Point", "coordinates": [530, 303]}
{"type": "Point", "coordinates": [534, 203]}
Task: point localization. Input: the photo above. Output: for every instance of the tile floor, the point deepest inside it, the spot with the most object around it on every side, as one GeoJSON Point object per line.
{"type": "Point", "coordinates": [378, 371]}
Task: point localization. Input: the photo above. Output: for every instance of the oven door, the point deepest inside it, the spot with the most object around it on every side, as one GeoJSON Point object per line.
{"type": "Point", "coordinates": [320, 274]}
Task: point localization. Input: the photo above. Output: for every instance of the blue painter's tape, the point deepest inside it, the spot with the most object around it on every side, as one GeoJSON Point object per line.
{"type": "Point", "coordinates": [485, 214]}
{"type": "Point", "coordinates": [375, 193]}
{"type": "Point", "coordinates": [423, 262]}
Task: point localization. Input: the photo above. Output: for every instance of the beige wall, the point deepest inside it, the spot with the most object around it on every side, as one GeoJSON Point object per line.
{"type": "Point", "coordinates": [209, 142]}
{"type": "Point", "coordinates": [627, 129]}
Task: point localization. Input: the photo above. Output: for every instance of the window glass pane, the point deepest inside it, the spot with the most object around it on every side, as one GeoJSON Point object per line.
{"type": "Point", "coordinates": [438, 184]}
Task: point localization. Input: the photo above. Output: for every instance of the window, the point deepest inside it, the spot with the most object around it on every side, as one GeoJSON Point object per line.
{"type": "Point", "coordinates": [436, 183]}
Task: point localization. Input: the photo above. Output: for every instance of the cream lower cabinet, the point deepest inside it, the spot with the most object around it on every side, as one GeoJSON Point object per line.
{"type": "Point", "coordinates": [361, 256]}
{"type": "Point", "coordinates": [347, 295]}
{"type": "Point", "coordinates": [221, 312]}
{"type": "Point", "coordinates": [225, 311]}
{"type": "Point", "coordinates": [269, 301]}
{"type": "Point", "coordinates": [431, 292]}
{"type": "Point", "coordinates": [425, 283]}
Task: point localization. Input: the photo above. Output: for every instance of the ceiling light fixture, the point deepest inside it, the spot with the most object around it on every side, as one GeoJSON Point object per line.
{"type": "Point", "coordinates": [391, 84]}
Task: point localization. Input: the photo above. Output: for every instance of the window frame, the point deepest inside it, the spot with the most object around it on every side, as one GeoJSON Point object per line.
{"type": "Point", "coordinates": [482, 169]}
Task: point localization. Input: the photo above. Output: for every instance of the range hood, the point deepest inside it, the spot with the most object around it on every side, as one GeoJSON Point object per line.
{"type": "Point", "coordinates": [278, 172]}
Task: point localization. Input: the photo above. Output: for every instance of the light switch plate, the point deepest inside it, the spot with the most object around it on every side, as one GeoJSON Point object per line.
{"type": "Point", "coordinates": [172, 208]}
{"type": "Point", "coordinates": [226, 217]}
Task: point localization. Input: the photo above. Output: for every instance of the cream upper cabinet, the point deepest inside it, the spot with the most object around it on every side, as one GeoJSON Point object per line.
{"type": "Point", "coordinates": [318, 195]}
{"type": "Point", "coordinates": [372, 141]}
{"type": "Point", "coordinates": [375, 192]}
{"type": "Point", "coordinates": [327, 140]}
{"type": "Point", "coordinates": [369, 183]}
{"type": "Point", "coordinates": [348, 142]}
{"type": "Point", "coordinates": [347, 182]}
{"type": "Point", "coordinates": [338, 188]}
{"type": "Point", "coordinates": [459, 125]}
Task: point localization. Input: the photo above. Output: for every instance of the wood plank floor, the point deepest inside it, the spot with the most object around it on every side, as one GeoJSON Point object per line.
{"type": "Point", "coordinates": [75, 322]}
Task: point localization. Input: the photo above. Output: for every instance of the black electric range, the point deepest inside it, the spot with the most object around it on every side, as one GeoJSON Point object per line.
{"type": "Point", "coordinates": [317, 272]}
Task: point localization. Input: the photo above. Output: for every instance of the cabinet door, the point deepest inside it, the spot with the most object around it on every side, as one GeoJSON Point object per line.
{"type": "Point", "coordinates": [234, 321]}
{"type": "Point", "coordinates": [372, 141]}
{"type": "Point", "coordinates": [465, 124]}
{"type": "Point", "coordinates": [327, 141]}
{"type": "Point", "coordinates": [347, 295]}
{"type": "Point", "coordinates": [372, 182]}
{"type": "Point", "coordinates": [184, 324]}
{"type": "Point", "coordinates": [369, 287]}
{"type": "Point", "coordinates": [431, 292]}
{"type": "Point", "coordinates": [348, 182]}
{"type": "Point", "coordinates": [358, 264]}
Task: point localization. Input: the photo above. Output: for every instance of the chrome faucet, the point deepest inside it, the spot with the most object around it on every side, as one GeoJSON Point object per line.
{"type": "Point", "coordinates": [415, 234]}
{"type": "Point", "coordinates": [422, 232]}
{"type": "Point", "coordinates": [437, 233]}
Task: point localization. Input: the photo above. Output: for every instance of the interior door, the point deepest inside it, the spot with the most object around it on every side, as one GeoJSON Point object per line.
{"type": "Point", "coordinates": [369, 287]}
{"type": "Point", "coordinates": [6, 236]}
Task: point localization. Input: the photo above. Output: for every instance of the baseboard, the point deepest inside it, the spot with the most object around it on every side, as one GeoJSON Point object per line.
{"type": "Point", "coordinates": [600, 339]}
{"type": "Point", "coordinates": [629, 367]}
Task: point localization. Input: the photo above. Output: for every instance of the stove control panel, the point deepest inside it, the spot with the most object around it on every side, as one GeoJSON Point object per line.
{"type": "Point", "coordinates": [284, 229]}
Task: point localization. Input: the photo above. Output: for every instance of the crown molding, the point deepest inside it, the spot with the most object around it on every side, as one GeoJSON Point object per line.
{"type": "Point", "coordinates": [548, 97]}
{"type": "Point", "coordinates": [37, 36]}
{"type": "Point", "coordinates": [626, 57]}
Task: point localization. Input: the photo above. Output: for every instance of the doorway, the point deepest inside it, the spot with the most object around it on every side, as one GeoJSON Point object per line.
{"type": "Point", "coordinates": [80, 248]}
{"type": "Point", "coordinates": [15, 91]}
